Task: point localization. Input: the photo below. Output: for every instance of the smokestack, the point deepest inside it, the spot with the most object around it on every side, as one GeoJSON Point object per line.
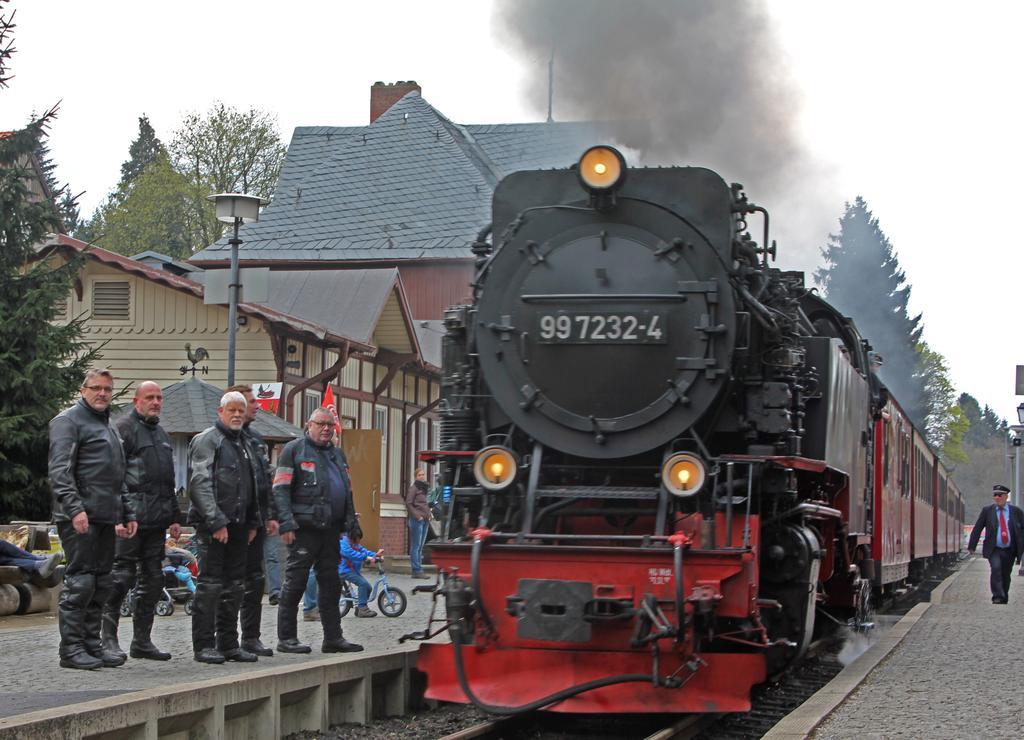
{"type": "Point", "coordinates": [384, 95]}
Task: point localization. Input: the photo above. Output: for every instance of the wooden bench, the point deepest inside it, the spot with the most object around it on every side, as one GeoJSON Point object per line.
{"type": "Point", "coordinates": [17, 594]}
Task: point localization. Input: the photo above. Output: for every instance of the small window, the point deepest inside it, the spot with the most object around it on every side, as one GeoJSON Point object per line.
{"type": "Point", "coordinates": [380, 421]}
{"type": "Point", "coordinates": [60, 309]}
{"type": "Point", "coordinates": [111, 300]}
{"type": "Point", "coordinates": [311, 403]}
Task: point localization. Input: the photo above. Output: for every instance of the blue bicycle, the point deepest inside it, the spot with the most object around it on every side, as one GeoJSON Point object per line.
{"type": "Point", "coordinates": [390, 600]}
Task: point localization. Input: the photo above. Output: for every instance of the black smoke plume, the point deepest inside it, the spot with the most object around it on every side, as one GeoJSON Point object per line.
{"type": "Point", "coordinates": [684, 82]}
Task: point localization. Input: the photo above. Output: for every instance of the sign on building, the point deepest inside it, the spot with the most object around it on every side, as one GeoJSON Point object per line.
{"type": "Point", "coordinates": [267, 396]}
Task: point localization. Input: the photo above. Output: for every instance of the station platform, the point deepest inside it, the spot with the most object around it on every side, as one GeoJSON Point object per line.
{"type": "Point", "coordinates": [956, 671]}
{"type": "Point", "coordinates": [32, 681]}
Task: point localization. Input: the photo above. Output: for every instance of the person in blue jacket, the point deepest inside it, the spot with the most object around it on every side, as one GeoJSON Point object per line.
{"type": "Point", "coordinates": [353, 555]}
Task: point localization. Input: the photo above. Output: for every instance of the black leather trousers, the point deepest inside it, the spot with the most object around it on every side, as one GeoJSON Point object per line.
{"type": "Point", "coordinates": [87, 586]}
{"type": "Point", "coordinates": [252, 601]}
{"type": "Point", "coordinates": [317, 548]}
{"type": "Point", "coordinates": [143, 553]}
{"type": "Point", "coordinates": [219, 589]}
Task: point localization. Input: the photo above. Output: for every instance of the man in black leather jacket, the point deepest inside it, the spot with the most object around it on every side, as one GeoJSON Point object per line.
{"type": "Point", "coordinates": [150, 480]}
{"type": "Point", "coordinates": [255, 572]}
{"type": "Point", "coordinates": [313, 496]}
{"type": "Point", "coordinates": [225, 513]}
{"type": "Point", "coordinates": [87, 471]}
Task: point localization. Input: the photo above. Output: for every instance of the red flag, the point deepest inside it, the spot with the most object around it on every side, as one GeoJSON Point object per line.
{"type": "Point", "coordinates": [328, 403]}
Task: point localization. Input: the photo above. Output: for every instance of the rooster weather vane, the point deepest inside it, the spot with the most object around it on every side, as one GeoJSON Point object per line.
{"type": "Point", "coordinates": [195, 358]}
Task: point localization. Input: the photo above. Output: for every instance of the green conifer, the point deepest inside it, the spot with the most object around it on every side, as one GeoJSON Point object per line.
{"type": "Point", "coordinates": [42, 361]}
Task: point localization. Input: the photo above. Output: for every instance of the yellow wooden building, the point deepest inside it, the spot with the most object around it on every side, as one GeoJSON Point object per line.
{"type": "Point", "coordinates": [351, 329]}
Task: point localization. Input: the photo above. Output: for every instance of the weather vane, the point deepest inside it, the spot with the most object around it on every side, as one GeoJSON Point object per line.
{"type": "Point", "coordinates": [195, 358]}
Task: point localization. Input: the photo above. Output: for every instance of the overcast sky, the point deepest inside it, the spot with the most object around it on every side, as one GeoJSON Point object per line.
{"type": "Point", "coordinates": [913, 105]}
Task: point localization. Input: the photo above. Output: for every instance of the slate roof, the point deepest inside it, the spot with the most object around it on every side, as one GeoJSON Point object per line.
{"type": "Point", "coordinates": [429, 333]}
{"type": "Point", "coordinates": [410, 185]}
{"type": "Point", "coordinates": [346, 302]}
{"type": "Point", "coordinates": [190, 406]}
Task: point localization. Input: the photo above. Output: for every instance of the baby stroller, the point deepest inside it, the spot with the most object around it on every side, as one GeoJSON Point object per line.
{"type": "Point", "coordinates": [179, 571]}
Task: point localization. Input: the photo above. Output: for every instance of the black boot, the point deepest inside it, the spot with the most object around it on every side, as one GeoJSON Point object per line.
{"type": "Point", "coordinates": [340, 645]}
{"type": "Point", "coordinates": [204, 616]}
{"type": "Point", "coordinates": [142, 644]}
{"type": "Point", "coordinates": [208, 655]}
{"type": "Point", "coordinates": [147, 650]}
{"type": "Point", "coordinates": [292, 646]}
{"type": "Point", "coordinates": [256, 647]}
{"type": "Point", "coordinates": [82, 661]}
{"type": "Point", "coordinates": [239, 655]}
{"type": "Point", "coordinates": [227, 619]}
{"type": "Point", "coordinates": [108, 632]}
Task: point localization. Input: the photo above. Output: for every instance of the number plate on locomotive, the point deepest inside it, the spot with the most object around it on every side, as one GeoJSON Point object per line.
{"type": "Point", "coordinates": [589, 327]}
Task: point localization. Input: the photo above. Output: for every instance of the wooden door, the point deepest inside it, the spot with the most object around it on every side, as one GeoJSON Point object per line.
{"type": "Point", "coordinates": [362, 448]}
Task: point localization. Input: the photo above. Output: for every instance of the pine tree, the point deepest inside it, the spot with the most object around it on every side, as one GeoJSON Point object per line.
{"type": "Point", "coordinates": [154, 214]}
{"type": "Point", "coordinates": [67, 204]}
{"type": "Point", "coordinates": [863, 279]}
{"type": "Point", "coordinates": [986, 427]}
{"type": "Point", "coordinates": [41, 363]}
{"type": "Point", "coordinates": [143, 151]}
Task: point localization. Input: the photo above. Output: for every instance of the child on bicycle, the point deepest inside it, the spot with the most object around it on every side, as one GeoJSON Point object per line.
{"type": "Point", "coordinates": [353, 555]}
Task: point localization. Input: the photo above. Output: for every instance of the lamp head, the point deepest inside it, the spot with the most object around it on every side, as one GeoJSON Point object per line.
{"type": "Point", "coordinates": [239, 207]}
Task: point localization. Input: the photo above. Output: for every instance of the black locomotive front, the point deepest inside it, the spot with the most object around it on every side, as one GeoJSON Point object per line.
{"type": "Point", "coordinates": [602, 332]}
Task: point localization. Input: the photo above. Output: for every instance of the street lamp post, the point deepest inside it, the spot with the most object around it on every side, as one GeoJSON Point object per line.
{"type": "Point", "coordinates": [235, 209]}
{"type": "Point", "coordinates": [1018, 429]}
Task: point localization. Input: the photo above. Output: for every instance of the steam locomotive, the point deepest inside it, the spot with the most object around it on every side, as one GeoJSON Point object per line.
{"type": "Point", "coordinates": [669, 465]}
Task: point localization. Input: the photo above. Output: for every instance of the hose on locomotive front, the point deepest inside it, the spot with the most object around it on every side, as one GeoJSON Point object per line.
{"type": "Point", "coordinates": [480, 535]}
{"type": "Point", "coordinates": [567, 693]}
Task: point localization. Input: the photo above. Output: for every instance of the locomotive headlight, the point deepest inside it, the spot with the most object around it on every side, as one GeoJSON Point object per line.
{"type": "Point", "coordinates": [683, 474]}
{"type": "Point", "coordinates": [601, 169]}
{"type": "Point", "coordinates": [495, 468]}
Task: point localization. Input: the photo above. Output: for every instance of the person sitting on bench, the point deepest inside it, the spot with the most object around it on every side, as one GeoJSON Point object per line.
{"type": "Point", "coordinates": [39, 568]}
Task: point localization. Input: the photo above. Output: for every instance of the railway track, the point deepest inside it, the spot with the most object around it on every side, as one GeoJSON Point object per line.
{"type": "Point", "coordinates": [770, 704]}
{"type": "Point", "coordinates": [548, 728]}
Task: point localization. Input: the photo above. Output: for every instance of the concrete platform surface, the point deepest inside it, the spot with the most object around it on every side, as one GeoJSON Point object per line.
{"type": "Point", "coordinates": [30, 678]}
{"type": "Point", "coordinates": [957, 673]}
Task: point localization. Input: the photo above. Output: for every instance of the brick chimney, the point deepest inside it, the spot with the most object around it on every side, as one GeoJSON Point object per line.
{"type": "Point", "coordinates": [383, 96]}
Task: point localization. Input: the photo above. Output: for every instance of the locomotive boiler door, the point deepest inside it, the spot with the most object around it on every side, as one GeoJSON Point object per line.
{"type": "Point", "coordinates": [604, 339]}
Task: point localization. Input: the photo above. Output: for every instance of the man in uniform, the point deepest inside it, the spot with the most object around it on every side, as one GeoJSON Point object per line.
{"type": "Point", "coordinates": [1004, 541]}
{"type": "Point", "coordinates": [255, 578]}
{"type": "Point", "coordinates": [150, 481]}
{"type": "Point", "coordinates": [313, 496]}
{"type": "Point", "coordinates": [222, 489]}
{"type": "Point", "coordinates": [86, 470]}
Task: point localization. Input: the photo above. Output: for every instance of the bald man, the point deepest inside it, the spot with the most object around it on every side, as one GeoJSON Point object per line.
{"type": "Point", "coordinates": [149, 476]}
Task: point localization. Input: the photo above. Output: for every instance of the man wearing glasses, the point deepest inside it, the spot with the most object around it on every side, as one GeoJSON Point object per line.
{"type": "Point", "coordinates": [313, 497]}
{"type": "Point", "coordinates": [87, 476]}
{"type": "Point", "coordinates": [1003, 524]}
